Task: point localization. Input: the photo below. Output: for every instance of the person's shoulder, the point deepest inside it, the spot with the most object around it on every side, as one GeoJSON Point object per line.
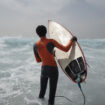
{"type": "Point", "coordinates": [36, 44]}
{"type": "Point", "coordinates": [51, 40]}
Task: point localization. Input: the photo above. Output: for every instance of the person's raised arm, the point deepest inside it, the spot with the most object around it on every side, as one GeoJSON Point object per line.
{"type": "Point", "coordinates": [67, 47]}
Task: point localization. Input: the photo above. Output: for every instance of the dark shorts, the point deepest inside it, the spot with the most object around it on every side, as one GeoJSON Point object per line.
{"type": "Point", "coordinates": [49, 71]}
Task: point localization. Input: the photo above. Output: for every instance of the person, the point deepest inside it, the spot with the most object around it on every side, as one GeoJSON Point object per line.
{"type": "Point", "coordinates": [43, 51]}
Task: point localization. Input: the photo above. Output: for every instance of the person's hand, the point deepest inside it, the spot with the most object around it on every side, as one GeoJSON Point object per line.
{"type": "Point", "coordinates": [74, 38]}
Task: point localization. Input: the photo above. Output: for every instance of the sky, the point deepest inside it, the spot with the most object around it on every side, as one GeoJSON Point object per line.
{"type": "Point", "coordinates": [84, 18]}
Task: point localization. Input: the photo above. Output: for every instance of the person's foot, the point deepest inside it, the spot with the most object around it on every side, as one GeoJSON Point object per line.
{"type": "Point", "coordinates": [41, 97]}
{"type": "Point", "coordinates": [50, 104]}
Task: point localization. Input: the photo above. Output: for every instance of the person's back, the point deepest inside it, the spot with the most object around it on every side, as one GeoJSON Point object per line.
{"type": "Point", "coordinates": [45, 51]}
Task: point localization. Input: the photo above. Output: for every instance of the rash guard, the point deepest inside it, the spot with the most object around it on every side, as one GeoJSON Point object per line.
{"type": "Point", "coordinates": [43, 51]}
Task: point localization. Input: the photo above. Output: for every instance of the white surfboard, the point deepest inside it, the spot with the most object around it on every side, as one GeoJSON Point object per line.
{"type": "Point", "coordinates": [73, 62]}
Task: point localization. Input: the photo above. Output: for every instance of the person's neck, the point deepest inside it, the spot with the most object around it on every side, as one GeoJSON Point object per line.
{"type": "Point", "coordinates": [43, 37]}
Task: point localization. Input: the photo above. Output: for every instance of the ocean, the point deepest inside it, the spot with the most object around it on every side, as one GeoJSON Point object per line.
{"type": "Point", "coordinates": [20, 74]}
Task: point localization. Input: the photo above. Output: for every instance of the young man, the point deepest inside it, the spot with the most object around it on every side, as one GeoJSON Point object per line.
{"type": "Point", "coordinates": [43, 51]}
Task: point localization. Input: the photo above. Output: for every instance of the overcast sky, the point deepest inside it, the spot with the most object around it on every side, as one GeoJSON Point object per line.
{"type": "Point", "coordinates": [84, 18]}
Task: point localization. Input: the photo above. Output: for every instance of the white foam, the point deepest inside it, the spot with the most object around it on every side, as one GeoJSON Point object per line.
{"type": "Point", "coordinates": [20, 74]}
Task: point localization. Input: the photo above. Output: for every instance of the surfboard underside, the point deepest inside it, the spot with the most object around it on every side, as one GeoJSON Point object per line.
{"type": "Point", "coordinates": [74, 68]}
{"type": "Point", "coordinates": [73, 62]}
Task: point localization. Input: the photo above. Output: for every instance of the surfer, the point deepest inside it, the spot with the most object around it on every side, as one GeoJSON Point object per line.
{"type": "Point", "coordinates": [44, 52]}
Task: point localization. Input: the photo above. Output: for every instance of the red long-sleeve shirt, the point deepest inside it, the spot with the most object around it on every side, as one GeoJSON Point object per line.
{"type": "Point", "coordinates": [44, 48]}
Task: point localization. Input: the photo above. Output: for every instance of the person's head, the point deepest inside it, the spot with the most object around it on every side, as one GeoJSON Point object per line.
{"type": "Point", "coordinates": [41, 30]}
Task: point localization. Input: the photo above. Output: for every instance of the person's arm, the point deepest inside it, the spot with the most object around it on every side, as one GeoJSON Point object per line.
{"type": "Point", "coordinates": [64, 48]}
{"type": "Point", "coordinates": [36, 53]}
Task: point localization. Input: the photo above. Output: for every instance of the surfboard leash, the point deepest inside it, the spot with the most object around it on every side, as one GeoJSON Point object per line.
{"type": "Point", "coordinates": [79, 85]}
{"type": "Point", "coordinates": [65, 98]}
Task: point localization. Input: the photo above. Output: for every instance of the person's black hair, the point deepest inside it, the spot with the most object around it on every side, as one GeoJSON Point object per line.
{"type": "Point", "coordinates": [41, 30]}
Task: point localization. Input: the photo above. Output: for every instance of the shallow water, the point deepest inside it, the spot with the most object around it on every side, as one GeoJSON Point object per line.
{"type": "Point", "coordinates": [20, 74]}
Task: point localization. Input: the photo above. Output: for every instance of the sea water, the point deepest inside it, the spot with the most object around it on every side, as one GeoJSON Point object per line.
{"type": "Point", "coordinates": [20, 74]}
